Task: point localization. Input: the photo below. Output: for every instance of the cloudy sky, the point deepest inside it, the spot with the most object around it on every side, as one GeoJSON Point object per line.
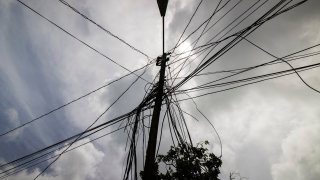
{"type": "Point", "coordinates": [269, 130]}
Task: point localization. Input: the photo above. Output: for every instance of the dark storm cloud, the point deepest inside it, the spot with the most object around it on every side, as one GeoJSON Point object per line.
{"type": "Point", "coordinates": [35, 87]}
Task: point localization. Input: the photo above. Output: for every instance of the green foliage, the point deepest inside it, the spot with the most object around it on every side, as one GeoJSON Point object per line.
{"type": "Point", "coordinates": [186, 162]}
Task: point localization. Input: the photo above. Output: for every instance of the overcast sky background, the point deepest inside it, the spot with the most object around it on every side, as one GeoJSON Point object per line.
{"type": "Point", "coordinates": [269, 131]}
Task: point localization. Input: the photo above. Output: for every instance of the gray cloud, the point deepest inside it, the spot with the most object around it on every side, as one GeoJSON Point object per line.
{"type": "Point", "coordinates": [269, 131]}
{"type": "Point", "coordinates": [81, 163]}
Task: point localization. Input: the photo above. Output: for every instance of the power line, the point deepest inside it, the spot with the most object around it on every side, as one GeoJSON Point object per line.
{"type": "Point", "coordinates": [114, 102]}
{"type": "Point", "coordinates": [42, 161]}
{"type": "Point", "coordinates": [174, 113]}
{"type": "Point", "coordinates": [104, 29]}
{"type": "Point", "coordinates": [198, 47]}
{"type": "Point", "coordinates": [235, 34]}
{"type": "Point", "coordinates": [91, 131]}
{"type": "Point", "coordinates": [235, 71]}
{"type": "Point", "coordinates": [242, 85]}
{"type": "Point", "coordinates": [215, 130]}
{"type": "Point", "coordinates": [221, 39]}
{"type": "Point", "coordinates": [208, 30]}
{"type": "Point", "coordinates": [284, 62]}
{"type": "Point", "coordinates": [74, 100]}
{"type": "Point", "coordinates": [22, 160]}
{"type": "Point", "coordinates": [76, 38]}
{"type": "Point", "coordinates": [201, 34]}
{"type": "Point", "coordinates": [204, 22]}
{"type": "Point", "coordinates": [247, 31]}
{"type": "Point", "coordinates": [69, 103]}
{"type": "Point", "coordinates": [303, 68]}
{"type": "Point", "coordinates": [263, 64]}
{"type": "Point", "coordinates": [225, 27]}
{"type": "Point", "coordinates": [234, 6]}
{"type": "Point", "coordinates": [237, 18]}
{"type": "Point", "coordinates": [280, 11]}
{"type": "Point", "coordinates": [194, 13]}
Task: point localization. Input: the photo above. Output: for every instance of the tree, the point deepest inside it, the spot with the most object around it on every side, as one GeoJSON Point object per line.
{"type": "Point", "coordinates": [186, 162]}
{"type": "Point", "coordinates": [234, 175]}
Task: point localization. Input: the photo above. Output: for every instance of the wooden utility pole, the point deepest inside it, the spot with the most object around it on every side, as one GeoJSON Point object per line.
{"type": "Point", "coordinates": [150, 168]}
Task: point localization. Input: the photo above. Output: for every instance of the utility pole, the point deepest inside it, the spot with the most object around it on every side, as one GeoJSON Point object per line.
{"type": "Point", "coordinates": [150, 168]}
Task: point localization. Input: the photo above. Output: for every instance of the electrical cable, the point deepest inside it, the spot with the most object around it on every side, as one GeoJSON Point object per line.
{"type": "Point", "coordinates": [209, 29]}
{"type": "Point", "coordinates": [312, 88]}
{"type": "Point", "coordinates": [68, 103]}
{"type": "Point", "coordinates": [289, 71]}
{"type": "Point", "coordinates": [235, 34]}
{"type": "Point", "coordinates": [173, 116]}
{"type": "Point", "coordinates": [239, 69]}
{"type": "Point", "coordinates": [231, 23]}
{"type": "Point", "coordinates": [263, 64]}
{"type": "Point", "coordinates": [201, 34]}
{"type": "Point", "coordinates": [194, 13]}
{"type": "Point", "coordinates": [231, 44]}
{"type": "Point", "coordinates": [102, 28]}
{"type": "Point", "coordinates": [76, 147]}
{"type": "Point", "coordinates": [79, 40]}
{"type": "Point", "coordinates": [196, 29]}
{"type": "Point", "coordinates": [242, 85]}
{"type": "Point", "coordinates": [89, 126]}
{"type": "Point", "coordinates": [215, 130]}
{"type": "Point", "coordinates": [221, 39]}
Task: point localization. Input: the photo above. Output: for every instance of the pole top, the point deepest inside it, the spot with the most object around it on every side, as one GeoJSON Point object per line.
{"type": "Point", "coordinates": [162, 4]}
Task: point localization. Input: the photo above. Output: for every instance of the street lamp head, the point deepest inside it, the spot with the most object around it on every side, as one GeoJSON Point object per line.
{"type": "Point", "coordinates": [162, 4]}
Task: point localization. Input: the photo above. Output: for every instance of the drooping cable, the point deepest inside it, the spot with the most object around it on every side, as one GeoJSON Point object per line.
{"type": "Point", "coordinates": [68, 103]}
{"type": "Point", "coordinates": [284, 62]}
{"type": "Point", "coordinates": [223, 38]}
{"type": "Point", "coordinates": [242, 85]}
{"type": "Point", "coordinates": [231, 44]}
{"type": "Point", "coordinates": [114, 102]}
{"type": "Point", "coordinates": [243, 70]}
{"type": "Point", "coordinates": [274, 74]}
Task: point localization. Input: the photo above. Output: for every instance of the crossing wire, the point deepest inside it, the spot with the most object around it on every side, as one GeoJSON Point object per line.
{"type": "Point", "coordinates": [33, 162]}
{"type": "Point", "coordinates": [263, 64]}
{"type": "Point", "coordinates": [242, 85]}
{"type": "Point", "coordinates": [72, 101]}
{"type": "Point", "coordinates": [114, 102]}
{"type": "Point", "coordinates": [252, 43]}
{"type": "Point", "coordinates": [139, 76]}
{"type": "Point", "coordinates": [223, 38]}
{"type": "Point", "coordinates": [96, 120]}
{"type": "Point", "coordinates": [233, 71]}
{"type": "Point", "coordinates": [264, 18]}
{"type": "Point", "coordinates": [81, 41]}
{"type": "Point", "coordinates": [68, 103]}
{"type": "Point", "coordinates": [102, 28]}
{"type": "Point", "coordinates": [194, 13]}
{"type": "Point", "coordinates": [26, 159]}
{"type": "Point", "coordinates": [201, 34]}
{"type": "Point", "coordinates": [287, 72]}
{"type": "Point", "coordinates": [29, 165]}
{"type": "Point", "coordinates": [235, 34]}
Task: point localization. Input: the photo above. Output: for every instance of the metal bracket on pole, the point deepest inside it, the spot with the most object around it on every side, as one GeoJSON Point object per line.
{"type": "Point", "coordinates": [161, 58]}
